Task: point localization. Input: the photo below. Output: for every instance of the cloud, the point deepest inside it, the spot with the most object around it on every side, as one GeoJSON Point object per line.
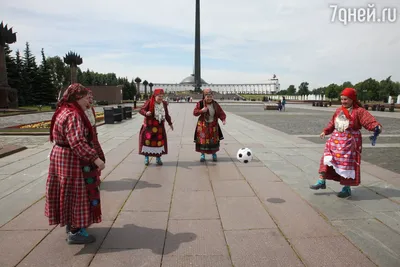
{"type": "Point", "coordinates": [242, 42]}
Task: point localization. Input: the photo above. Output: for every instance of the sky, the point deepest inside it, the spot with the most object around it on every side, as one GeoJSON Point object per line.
{"type": "Point", "coordinates": [241, 41]}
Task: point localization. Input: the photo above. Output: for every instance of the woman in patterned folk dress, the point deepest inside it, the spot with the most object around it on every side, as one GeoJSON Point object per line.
{"type": "Point", "coordinates": [153, 136]}
{"type": "Point", "coordinates": [342, 154]}
{"type": "Point", "coordinates": [72, 194]}
{"type": "Point", "coordinates": [208, 134]}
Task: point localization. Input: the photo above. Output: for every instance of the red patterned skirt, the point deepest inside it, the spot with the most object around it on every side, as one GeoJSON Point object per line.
{"type": "Point", "coordinates": [342, 158]}
{"type": "Point", "coordinates": [72, 190]}
{"type": "Point", "coordinates": [207, 137]}
{"type": "Point", "coordinates": [153, 138]}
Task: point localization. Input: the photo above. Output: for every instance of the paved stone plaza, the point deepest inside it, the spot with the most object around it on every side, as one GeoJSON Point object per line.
{"type": "Point", "coordinates": [188, 213]}
{"type": "Point", "coordinates": [307, 122]}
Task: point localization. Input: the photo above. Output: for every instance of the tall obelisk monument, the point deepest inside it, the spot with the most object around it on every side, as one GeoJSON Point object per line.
{"type": "Point", "coordinates": [197, 62]}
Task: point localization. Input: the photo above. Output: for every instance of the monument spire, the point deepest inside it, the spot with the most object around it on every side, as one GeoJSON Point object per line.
{"type": "Point", "coordinates": [195, 79]}
{"type": "Point", "coordinates": [197, 63]}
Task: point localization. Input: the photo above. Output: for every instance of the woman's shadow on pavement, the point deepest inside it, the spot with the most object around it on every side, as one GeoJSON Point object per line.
{"type": "Point", "coordinates": [367, 193]}
{"type": "Point", "coordinates": [131, 237]}
{"type": "Point", "coordinates": [126, 184]}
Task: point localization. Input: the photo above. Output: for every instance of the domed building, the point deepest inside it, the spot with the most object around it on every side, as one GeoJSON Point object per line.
{"type": "Point", "coordinates": [190, 80]}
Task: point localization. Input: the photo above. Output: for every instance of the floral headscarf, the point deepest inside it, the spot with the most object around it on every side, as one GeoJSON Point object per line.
{"type": "Point", "coordinates": [69, 100]}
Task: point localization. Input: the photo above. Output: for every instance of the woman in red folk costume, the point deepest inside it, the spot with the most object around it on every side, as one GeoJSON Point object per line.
{"type": "Point", "coordinates": [342, 154]}
{"type": "Point", "coordinates": [153, 136]}
{"type": "Point", "coordinates": [72, 188]}
{"type": "Point", "coordinates": [208, 134]}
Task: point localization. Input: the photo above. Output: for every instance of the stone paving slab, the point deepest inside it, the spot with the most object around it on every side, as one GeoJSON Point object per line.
{"type": "Point", "coordinates": [334, 209]}
{"type": "Point", "coordinates": [369, 235]}
{"type": "Point", "coordinates": [265, 247]}
{"type": "Point", "coordinates": [6, 150]}
{"type": "Point", "coordinates": [187, 213]}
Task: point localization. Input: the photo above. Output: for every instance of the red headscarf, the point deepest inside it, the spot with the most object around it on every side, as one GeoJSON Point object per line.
{"type": "Point", "coordinates": [73, 93]}
{"type": "Point", "coordinates": [156, 92]}
{"type": "Point", "coordinates": [352, 94]}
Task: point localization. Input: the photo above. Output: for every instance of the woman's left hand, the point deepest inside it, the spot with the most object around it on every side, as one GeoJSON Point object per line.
{"type": "Point", "coordinates": [224, 122]}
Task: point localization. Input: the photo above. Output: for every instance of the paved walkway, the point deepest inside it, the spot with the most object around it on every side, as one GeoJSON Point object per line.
{"type": "Point", "coordinates": [188, 213]}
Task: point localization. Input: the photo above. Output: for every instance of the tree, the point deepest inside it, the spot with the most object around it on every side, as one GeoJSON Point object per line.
{"type": "Point", "coordinates": [319, 91]}
{"type": "Point", "coordinates": [388, 88]}
{"type": "Point", "coordinates": [29, 75]}
{"type": "Point", "coordinates": [291, 90]}
{"type": "Point", "coordinates": [19, 70]}
{"type": "Point", "coordinates": [368, 89]}
{"type": "Point", "coordinates": [282, 92]}
{"type": "Point", "coordinates": [11, 67]}
{"type": "Point", "coordinates": [58, 72]}
{"type": "Point", "coordinates": [332, 91]}
{"type": "Point", "coordinates": [46, 91]}
{"type": "Point", "coordinates": [303, 89]}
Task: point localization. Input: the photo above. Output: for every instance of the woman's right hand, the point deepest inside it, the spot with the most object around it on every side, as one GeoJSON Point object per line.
{"type": "Point", "coordinates": [322, 135]}
{"type": "Point", "coordinates": [100, 164]}
{"type": "Point", "coordinates": [148, 113]}
{"type": "Point", "coordinates": [204, 110]}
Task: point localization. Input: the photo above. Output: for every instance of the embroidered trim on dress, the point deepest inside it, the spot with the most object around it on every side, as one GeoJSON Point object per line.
{"type": "Point", "coordinates": [153, 150]}
{"type": "Point", "coordinates": [159, 112]}
{"type": "Point", "coordinates": [344, 173]}
{"type": "Point", "coordinates": [341, 123]}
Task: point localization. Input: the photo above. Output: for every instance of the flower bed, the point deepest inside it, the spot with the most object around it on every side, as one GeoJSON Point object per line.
{"type": "Point", "coordinates": [46, 124]}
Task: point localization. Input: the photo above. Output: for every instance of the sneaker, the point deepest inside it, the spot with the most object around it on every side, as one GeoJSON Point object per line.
{"type": "Point", "coordinates": [202, 158]}
{"type": "Point", "coordinates": [321, 184]}
{"type": "Point", "coordinates": [146, 160]}
{"type": "Point", "coordinates": [214, 157]}
{"type": "Point", "coordinates": [159, 162]}
{"type": "Point", "coordinates": [346, 192]}
{"type": "Point", "coordinates": [67, 228]}
{"type": "Point", "coordinates": [80, 237]}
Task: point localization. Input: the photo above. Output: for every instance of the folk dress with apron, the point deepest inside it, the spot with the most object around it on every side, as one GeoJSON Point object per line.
{"type": "Point", "coordinates": [153, 138]}
{"type": "Point", "coordinates": [342, 153]}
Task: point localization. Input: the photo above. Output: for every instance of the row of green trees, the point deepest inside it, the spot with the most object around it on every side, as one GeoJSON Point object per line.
{"type": "Point", "coordinates": [368, 90]}
{"type": "Point", "coordinates": [41, 84]}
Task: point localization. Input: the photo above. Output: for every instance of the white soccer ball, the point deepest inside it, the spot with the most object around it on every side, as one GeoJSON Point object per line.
{"type": "Point", "coordinates": [244, 155]}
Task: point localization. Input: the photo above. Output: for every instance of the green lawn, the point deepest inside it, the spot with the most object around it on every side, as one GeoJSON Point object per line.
{"type": "Point", "coordinates": [256, 97]}
{"type": "Point", "coordinates": [36, 108]}
{"type": "Point", "coordinates": [2, 114]}
{"type": "Point", "coordinates": [24, 130]}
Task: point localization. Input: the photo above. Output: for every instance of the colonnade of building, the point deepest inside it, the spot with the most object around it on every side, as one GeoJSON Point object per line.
{"type": "Point", "coordinates": [262, 88]}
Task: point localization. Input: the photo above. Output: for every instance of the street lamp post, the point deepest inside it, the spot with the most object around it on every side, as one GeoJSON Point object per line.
{"type": "Point", "coordinates": [137, 81]}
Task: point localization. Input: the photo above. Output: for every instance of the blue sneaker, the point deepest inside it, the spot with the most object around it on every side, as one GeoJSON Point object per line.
{"type": "Point", "coordinates": [346, 192]}
{"type": "Point", "coordinates": [158, 160]}
{"type": "Point", "coordinates": [214, 157]}
{"type": "Point", "coordinates": [321, 184]}
{"type": "Point", "coordinates": [146, 160]}
{"type": "Point", "coordinates": [80, 237]}
{"type": "Point", "coordinates": [202, 157]}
